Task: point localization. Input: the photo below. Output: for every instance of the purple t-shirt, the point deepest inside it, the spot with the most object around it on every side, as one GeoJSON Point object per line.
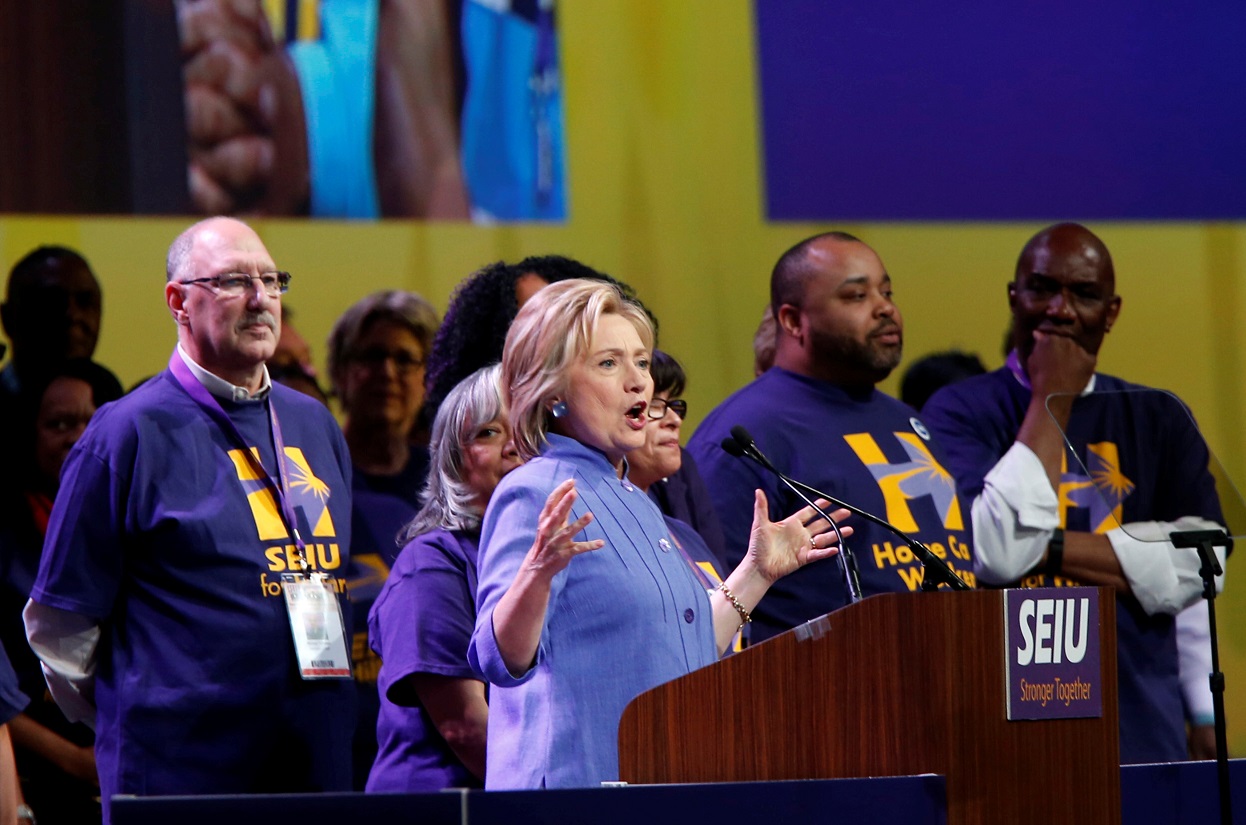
{"type": "Point", "coordinates": [1144, 456]}
{"type": "Point", "coordinates": [20, 546]}
{"type": "Point", "coordinates": [863, 447]}
{"type": "Point", "coordinates": [12, 700]}
{"type": "Point", "coordinates": [382, 506]}
{"type": "Point", "coordinates": [163, 533]}
{"type": "Point", "coordinates": [421, 623]}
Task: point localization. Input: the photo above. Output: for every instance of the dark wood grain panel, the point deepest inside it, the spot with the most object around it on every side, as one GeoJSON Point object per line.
{"type": "Point", "coordinates": [899, 684]}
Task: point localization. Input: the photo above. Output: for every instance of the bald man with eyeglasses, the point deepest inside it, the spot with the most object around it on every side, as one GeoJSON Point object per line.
{"type": "Point", "coordinates": [189, 603]}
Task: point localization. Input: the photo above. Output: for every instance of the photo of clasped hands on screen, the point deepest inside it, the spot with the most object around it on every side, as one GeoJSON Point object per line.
{"type": "Point", "coordinates": [437, 109]}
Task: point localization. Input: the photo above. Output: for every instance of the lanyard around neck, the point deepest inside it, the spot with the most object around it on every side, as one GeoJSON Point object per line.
{"type": "Point", "coordinates": [278, 487]}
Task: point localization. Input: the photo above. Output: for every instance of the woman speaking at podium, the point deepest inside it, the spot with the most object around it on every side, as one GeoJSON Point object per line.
{"type": "Point", "coordinates": [592, 603]}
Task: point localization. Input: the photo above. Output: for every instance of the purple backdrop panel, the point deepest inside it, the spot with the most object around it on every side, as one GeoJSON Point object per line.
{"type": "Point", "coordinates": [924, 110]}
{"type": "Point", "coordinates": [1051, 645]}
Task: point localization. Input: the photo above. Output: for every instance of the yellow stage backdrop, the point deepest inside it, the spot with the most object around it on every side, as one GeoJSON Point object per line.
{"type": "Point", "coordinates": [666, 194]}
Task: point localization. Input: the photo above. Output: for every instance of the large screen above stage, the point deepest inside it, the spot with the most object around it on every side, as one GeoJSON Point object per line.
{"type": "Point", "coordinates": [360, 109]}
{"type": "Point", "coordinates": [982, 110]}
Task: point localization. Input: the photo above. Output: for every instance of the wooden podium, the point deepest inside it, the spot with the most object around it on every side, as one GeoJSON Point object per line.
{"type": "Point", "coordinates": [898, 684]}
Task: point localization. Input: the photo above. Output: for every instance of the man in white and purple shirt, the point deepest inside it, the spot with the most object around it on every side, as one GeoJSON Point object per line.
{"type": "Point", "coordinates": [158, 609]}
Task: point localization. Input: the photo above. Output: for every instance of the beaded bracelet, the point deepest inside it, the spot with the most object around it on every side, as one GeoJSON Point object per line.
{"type": "Point", "coordinates": [745, 618]}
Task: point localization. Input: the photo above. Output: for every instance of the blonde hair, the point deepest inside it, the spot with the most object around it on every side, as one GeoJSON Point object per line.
{"type": "Point", "coordinates": [551, 332]}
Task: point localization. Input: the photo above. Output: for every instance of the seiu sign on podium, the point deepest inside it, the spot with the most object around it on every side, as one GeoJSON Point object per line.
{"type": "Point", "coordinates": [1051, 644]}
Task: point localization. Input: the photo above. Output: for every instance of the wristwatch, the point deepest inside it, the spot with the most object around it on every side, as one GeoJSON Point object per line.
{"type": "Point", "coordinates": [25, 814]}
{"type": "Point", "coordinates": [1055, 553]}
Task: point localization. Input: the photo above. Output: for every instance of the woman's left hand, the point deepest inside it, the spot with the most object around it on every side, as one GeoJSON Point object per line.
{"type": "Point", "coordinates": [778, 548]}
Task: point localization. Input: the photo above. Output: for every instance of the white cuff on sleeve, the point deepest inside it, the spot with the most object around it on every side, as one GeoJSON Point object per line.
{"type": "Point", "coordinates": [65, 643]}
{"type": "Point", "coordinates": [1013, 518]}
{"type": "Point", "coordinates": [1194, 661]}
{"type": "Point", "coordinates": [1163, 578]}
{"type": "Point", "coordinates": [1020, 480]}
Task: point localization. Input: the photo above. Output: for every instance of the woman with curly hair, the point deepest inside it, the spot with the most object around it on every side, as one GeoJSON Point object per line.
{"type": "Point", "coordinates": [481, 311]}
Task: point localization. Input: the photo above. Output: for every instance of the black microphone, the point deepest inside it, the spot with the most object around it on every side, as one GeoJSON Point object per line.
{"type": "Point", "coordinates": [741, 445]}
{"type": "Point", "coordinates": [937, 570]}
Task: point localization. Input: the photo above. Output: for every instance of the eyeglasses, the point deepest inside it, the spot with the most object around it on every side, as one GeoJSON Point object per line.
{"type": "Point", "coordinates": [236, 284]}
{"type": "Point", "coordinates": [658, 407]}
{"type": "Point", "coordinates": [375, 358]}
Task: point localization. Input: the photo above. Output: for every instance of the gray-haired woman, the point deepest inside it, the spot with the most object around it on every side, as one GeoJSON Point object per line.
{"type": "Point", "coordinates": [431, 729]}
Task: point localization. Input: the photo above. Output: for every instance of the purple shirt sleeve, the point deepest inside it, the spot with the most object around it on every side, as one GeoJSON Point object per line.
{"type": "Point", "coordinates": [423, 619]}
{"type": "Point", "coordinates": [81, 568]}
{"type": "Point", "coordinates": [12, 700]}
{"type": "Point", "coordinates": [509, 530]}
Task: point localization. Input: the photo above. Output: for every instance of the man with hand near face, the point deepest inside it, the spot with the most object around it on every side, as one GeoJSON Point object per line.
{"type": "Point", "coordinates": [158, 610]}
{"type": "Point", "coordinates": [817, 415]}
{"type": "Point", "coordinates": [1041, 519]}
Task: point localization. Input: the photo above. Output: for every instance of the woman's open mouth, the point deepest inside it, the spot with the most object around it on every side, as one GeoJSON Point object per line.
{"type": "Point", "coordinates": [636, 415]}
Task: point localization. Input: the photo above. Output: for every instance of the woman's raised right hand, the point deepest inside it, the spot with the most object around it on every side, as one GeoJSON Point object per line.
{"type": "Point", "coordinates": [554, 546]}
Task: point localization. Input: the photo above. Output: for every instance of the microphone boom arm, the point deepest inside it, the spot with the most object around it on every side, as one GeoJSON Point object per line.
{"type": "Point", "coordinates": [742, 447]}
{"type": "Point", "coordinates": [847, 559]}
{"type": "Point", "coordinates": [935, 570]}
